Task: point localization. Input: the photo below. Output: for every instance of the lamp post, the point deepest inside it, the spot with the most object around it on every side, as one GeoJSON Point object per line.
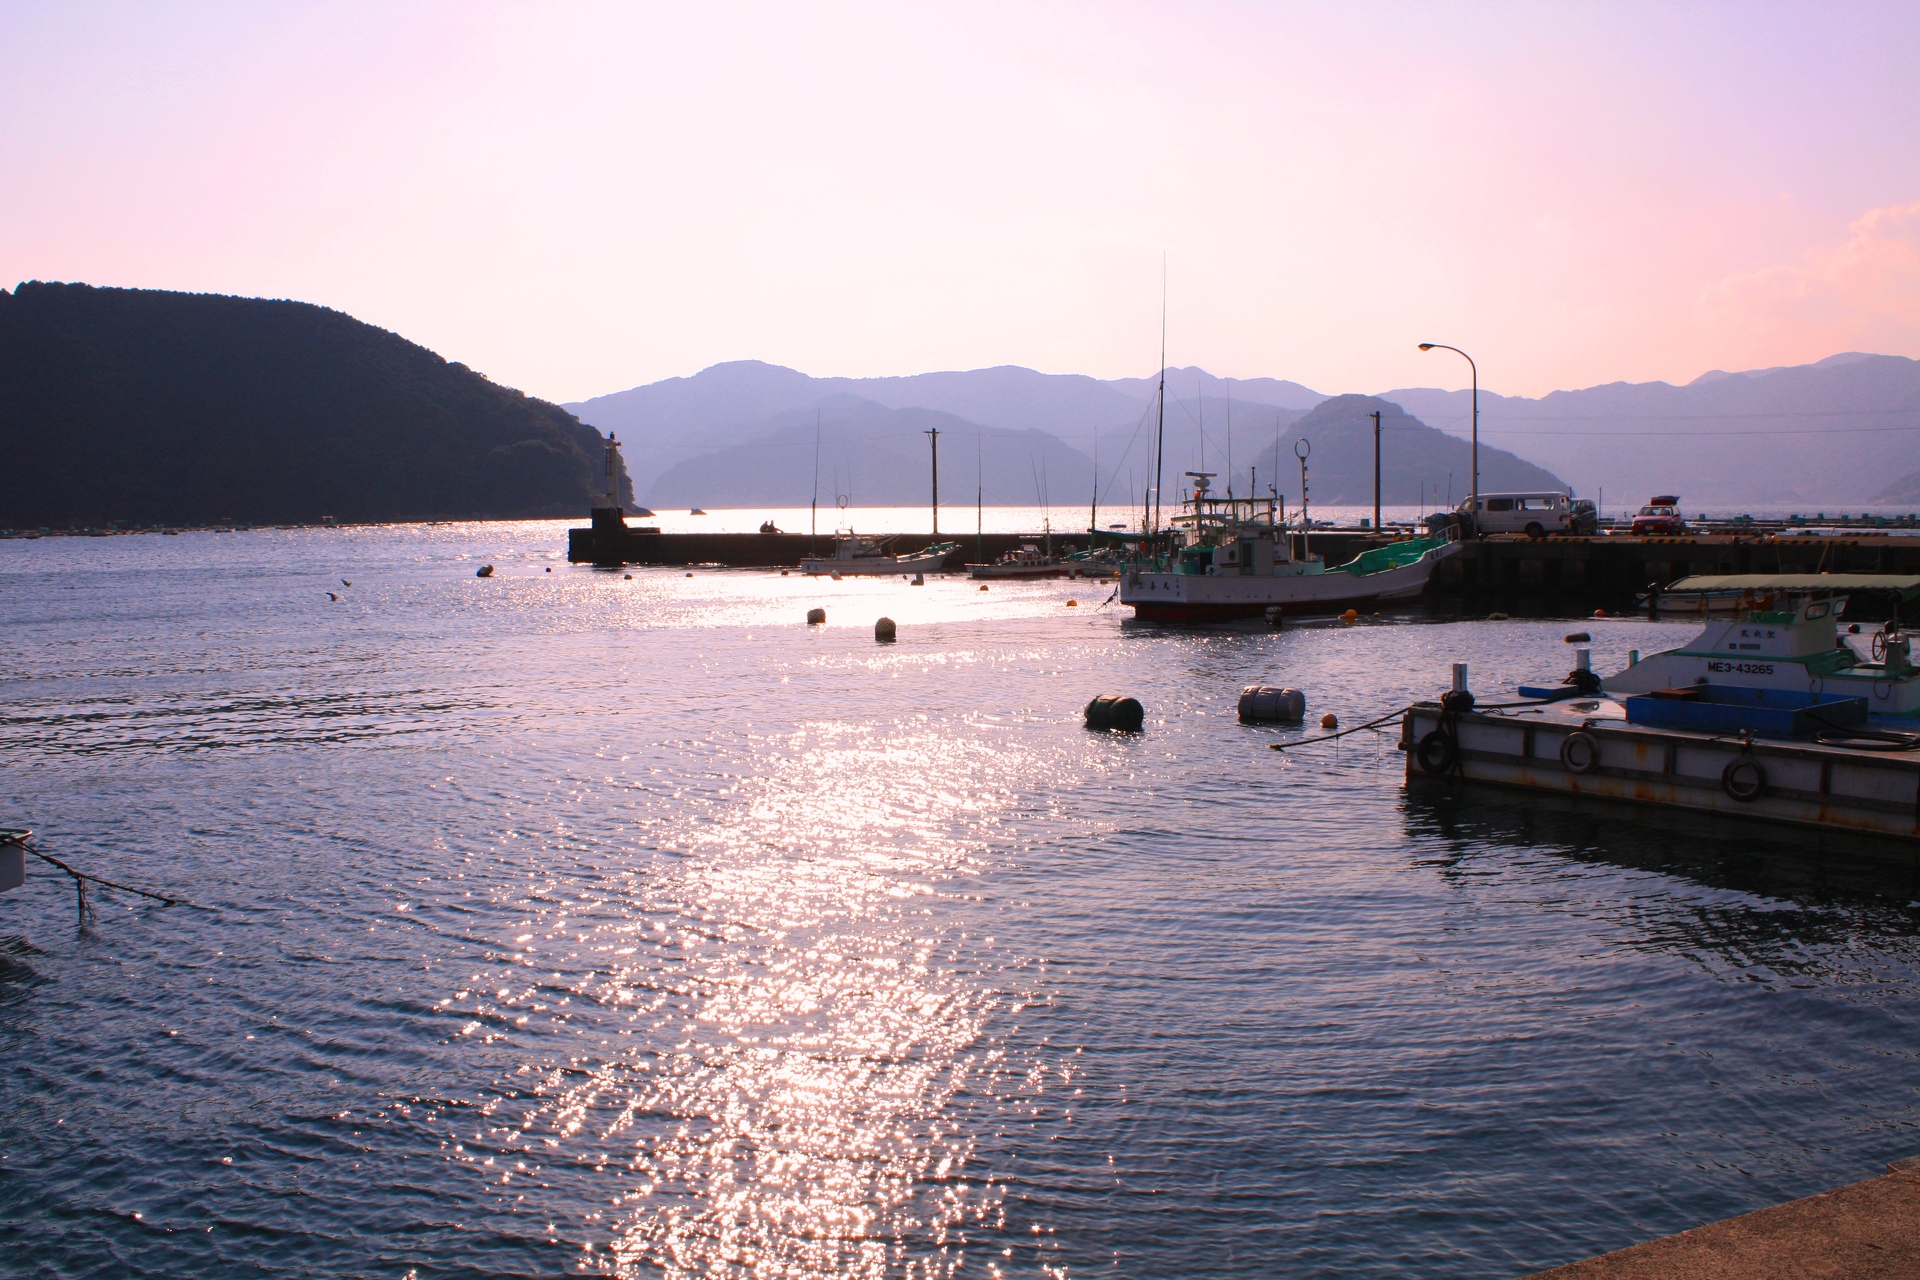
{"type": "Point", "coordinates": [1474, 504]}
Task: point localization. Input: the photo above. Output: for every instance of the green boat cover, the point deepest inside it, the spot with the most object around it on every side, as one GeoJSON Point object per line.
{"type": "Point", "coordinates": [1906, 584]}
{"type": "Point", "coordinates": [1392, 556]}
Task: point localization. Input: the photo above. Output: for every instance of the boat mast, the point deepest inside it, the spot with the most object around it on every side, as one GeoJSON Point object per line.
{"type": "Point", "coordinates": [1160, 430]}
{"type": "Point", "coordinates": [1093, 512]}
{"type": "Point", "coordinates": [813, 518]}
{"type": "Point", "coordinates": [979, 499]}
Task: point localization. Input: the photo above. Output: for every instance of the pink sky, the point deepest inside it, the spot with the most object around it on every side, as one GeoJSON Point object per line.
{"type": "Point", "coordinates": [576, 198]}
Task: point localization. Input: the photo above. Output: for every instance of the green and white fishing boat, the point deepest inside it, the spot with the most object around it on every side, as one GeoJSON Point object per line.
{"type": "Point", "coordinates": [1786, 634]}
{"type": "Point", "coordinates": [1233, 558]}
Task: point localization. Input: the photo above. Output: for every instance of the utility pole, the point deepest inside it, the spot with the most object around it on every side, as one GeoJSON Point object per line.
{"type": "Point", "coordinates": [1376, 471]}
{"type": "Point", "coordinates": [933, 437]}
{"type": "Point", "coordinates": [1473, 500]}
{"type": "Point", "coordinates": [1301, 448]}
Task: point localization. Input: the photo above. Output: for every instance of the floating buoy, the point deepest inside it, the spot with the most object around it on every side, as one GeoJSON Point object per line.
{"type": "Point", "coordinates": [1115, 711]}
{"type": "Point", "coordinates": [549, 570]}
{"type": "Point", "coordinates": [1599, 613]}
{"type": "Point", "coordinates": [883, 630]}
{"type": "Point", "coordinates": [484, 571]}
{"type": "Point", "coordinates": [836, 575]}
{"type": "Point", "coordinates": [1351, 615]}
{"type": "Point", "coordinates": [983, 586]}
{"type": "Point", "coordinates": [1073, 604]}
{"type": "Point", "coordinates": [1276, 617]}
{"type": "Point", "coordinates": [689, 573]}
{"type": "Point", "coordinates": [625, 577]}
{"type": "Point", "coordinates": [1260, 703]}
{"type": "Point", "coordinates": [1496, 617]}
{"type": "Point", "coordinates": [783, 573]}
{"type": "Point", "coordinates": [1329, 721]}
{"type": "Point", "coordinates": [1578, 637]}
{"type": "Point", "coordinates": [815, 617]}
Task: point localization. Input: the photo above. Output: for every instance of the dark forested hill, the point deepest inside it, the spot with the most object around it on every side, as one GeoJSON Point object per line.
{"type": "Point", "coordinates": [144, 407]}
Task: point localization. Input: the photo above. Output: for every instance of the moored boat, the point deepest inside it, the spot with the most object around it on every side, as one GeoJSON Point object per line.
{"type": "Point", "coordinates": [855, 556]}
{"type": "Point", "coordinates": [1232, 558]}
{"type": "Point", "coordinates": [1025, 561]}
{"type": "Point", "coordinates": [1785, 634]}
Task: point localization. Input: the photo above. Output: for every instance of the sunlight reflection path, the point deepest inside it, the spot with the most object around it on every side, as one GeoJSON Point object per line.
{"type": "Point", "coordinates": [790, 1021]}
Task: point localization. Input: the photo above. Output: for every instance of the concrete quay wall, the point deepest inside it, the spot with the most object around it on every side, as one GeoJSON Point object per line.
{"type": "Point", "coordinates": [1505, 572]}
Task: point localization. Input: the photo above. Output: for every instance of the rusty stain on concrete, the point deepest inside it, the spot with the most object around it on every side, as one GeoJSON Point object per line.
{"type": "Point", "coordinates": [1865, 1231]}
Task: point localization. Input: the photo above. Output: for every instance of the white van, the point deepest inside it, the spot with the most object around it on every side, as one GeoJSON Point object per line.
{"type": "Point", "coordinates": [1534, 514]}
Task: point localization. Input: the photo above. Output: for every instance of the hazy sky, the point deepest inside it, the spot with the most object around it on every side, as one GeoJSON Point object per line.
{"type": "Point", "coordinates": [576, 198]}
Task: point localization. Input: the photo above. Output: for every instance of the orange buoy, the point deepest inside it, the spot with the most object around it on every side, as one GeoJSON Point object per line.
{"type": "Point", "coordinates": [1351, 615]}
{"type": "Point", "coordinates": [1072, 604]}
{"type": "Point", "coordinates": [1329, 721]}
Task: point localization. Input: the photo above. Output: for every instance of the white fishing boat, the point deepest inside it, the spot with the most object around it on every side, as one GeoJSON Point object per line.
{"type": "Point", "coordinates": [855, 556]}
{"type": "Point", "coordinates": [1232, 557]}
{"type": "Point", "coordinates": [1025, 561]}
{"type": "Point", "coordinates": [1786, 635]}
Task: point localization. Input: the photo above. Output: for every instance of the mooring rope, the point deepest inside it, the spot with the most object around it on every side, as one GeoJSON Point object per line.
{"type": "Point", "coordinates": [1329, 737]}
{"type": "Point", "coordinates": [82, 878]}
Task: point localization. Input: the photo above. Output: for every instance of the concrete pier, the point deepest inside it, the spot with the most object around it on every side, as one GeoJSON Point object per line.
{"type": "Point", "coordinates": [1864, 1231]}
{"type": "Point", "coordinates": [1506, 572]}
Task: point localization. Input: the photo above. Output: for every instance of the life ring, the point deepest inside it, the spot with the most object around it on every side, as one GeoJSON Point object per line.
{"type": "Point", "coordinates": [1580, 752]}
{"type": "Point", "coordinates": [1744, 779]}
{"type": "Point", "coordinates": [1879, 646]}
{"type": "Point", "coordinates": [1437, 753]}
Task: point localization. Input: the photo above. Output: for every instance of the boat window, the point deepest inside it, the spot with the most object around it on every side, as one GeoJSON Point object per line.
{"type": "Point", "coordinates": [1499, 504]}
{"type": "Point", "coordinates": [1818, 610]}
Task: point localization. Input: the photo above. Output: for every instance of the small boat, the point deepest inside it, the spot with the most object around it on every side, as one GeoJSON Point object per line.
{"type": "Point", "coordinates": [854, 556]}
{"type": "Point", "coordinates": [1786, 635]}
{"type": "Point", "coordinates": [1232, 558]}
{"type": "Point", "coordinates": [13, 857]}
{"type": "Point", "coordinates": [696, 512]}
{"type": "Point", "coordinates": [1027, 561]}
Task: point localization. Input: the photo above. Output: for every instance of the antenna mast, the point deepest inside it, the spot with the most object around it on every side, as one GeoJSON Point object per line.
{"type": "Point", "coordinates": [813, 518]}
{"type": "Point", "coordinates": [1160, 431]}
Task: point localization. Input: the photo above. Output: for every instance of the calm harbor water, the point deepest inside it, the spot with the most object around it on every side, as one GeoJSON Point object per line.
{"type": "Point", "coordinates": [566, 922]}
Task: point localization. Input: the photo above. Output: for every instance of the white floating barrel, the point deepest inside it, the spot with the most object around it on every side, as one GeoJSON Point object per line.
{"type": "Point", "coordinates": [1115, 711]}
{"type": "Point", "coordinates": [1261, 703]}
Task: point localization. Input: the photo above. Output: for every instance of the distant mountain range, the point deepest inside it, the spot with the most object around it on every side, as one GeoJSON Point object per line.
{"type": "Point", "coordinates": [697, 442]}
{"type": "Point", "coordinates": [1843, 431]}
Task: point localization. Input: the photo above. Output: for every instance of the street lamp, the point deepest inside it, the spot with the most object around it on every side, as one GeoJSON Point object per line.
{"type": "Point", "coordinates": [1474, 505]}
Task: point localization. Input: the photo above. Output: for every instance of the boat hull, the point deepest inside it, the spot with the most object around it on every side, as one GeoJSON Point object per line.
{"type": "Point", "coordinates": [873, 566]}
{"type": "Point", "coordinates": [1193, 597]}
{"type": "Point", "coordinates": [1802, 783]}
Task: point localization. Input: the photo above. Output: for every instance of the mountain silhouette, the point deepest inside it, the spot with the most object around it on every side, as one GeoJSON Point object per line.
{"type": "Point", "coordinates": [140, 406]}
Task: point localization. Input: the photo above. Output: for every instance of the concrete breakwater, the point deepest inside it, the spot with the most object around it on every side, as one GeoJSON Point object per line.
{"type": "Point", "coordinates": [1506, 571]}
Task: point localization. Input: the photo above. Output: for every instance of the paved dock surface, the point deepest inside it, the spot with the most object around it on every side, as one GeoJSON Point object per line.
{"type": "Point", "coordinates": [1866, 1231]}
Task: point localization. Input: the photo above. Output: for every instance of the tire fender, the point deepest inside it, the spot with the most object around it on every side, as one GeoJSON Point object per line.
{"type": "Point", "coordinates": [1580, 752]}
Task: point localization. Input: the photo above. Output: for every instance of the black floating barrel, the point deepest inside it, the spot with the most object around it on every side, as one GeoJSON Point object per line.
{"type": "Point", "coordinates": [1265, 704]}
{"type": "Point", "coordinates": [816, 617]}
{"type": "Point", "coordinates": [1115, 711]}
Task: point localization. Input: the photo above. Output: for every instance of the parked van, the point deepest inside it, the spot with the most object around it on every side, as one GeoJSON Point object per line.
{"type": "Point", "coordinates": [1534, 514]}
